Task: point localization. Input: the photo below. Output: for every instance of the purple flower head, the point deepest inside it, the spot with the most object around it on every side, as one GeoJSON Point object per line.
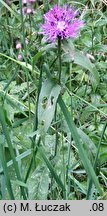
{"type": "Point", "coordinates": [61, 22]}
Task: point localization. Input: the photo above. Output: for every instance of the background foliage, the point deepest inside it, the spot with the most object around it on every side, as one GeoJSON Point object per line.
{"type": "Point", "coordinates": [49, 153]}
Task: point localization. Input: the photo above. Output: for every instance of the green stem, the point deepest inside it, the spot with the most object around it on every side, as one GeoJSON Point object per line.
{"type": "Point", "coordinates": [36, 108]}
{"type": "Point", "coordinates": [30, 31]}
{"type": "Point", "coordinates": [22, 26]}
{"type": "Point", "coordinates": [32, 160]}
{"type": "Point", "coordinates": [35, 127]}
{"type": "Point", "coordinates": [25, 56]}
{"type": "Point", "coordinates": [64, 168]}
{"type": "Point", "coordinates": [56, 133]}
{"type": "Point", "coordinates": [9, 33]}
{"type": "Point", "coordinates": [70, 143]}
{"type": "Point", "coordinates": [59, 56]}
{"type": "Point", "coordinates": [92, 32]}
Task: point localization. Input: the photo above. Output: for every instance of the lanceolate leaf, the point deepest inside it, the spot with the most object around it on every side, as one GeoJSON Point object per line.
{"type": "Point", "coordinates": [47, 103]}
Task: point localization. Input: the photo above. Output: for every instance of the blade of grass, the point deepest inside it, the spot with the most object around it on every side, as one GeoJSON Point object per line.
{"type": "Point", "coordinates": [18, 158]}
{"type": "Point", "coordinates": [32, 158]}
{"type": "Point", "coordinates": [87, 164]}
{"type": "Point", "coordinates": [9, 9]}
{"type": "Point", "coordinates": [25, 54]}
{"type": "Point", "coordinates": [23, 64]}
{"type": "Point", "coordinates": [3, 187]}
{"type": "Point", "coordinates": [6, 174]}
{"type": "Point", "coordinates": [6, 134]}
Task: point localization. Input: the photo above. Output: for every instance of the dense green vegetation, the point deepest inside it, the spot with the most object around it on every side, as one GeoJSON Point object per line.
{"type": "Point", "coordinates": [53, 134]}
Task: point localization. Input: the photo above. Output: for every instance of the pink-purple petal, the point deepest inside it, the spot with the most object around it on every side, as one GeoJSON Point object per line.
{"type": "Point", "coordinates": [61, 22]}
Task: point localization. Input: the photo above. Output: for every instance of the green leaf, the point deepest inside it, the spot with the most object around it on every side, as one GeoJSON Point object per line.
{"type": "Point", "coordinates": [20, 183]}
{"type": "Point", "coordinates": [6, 174]}
{"type": "Point", "coordinates": [90, 146]}
{"type": "Point", "coordinates": [18, 158]}
{"type": "Point", "coordinates": [8, 139]}
{"type": "Point", "coordinates": [51, 169]}
{"type": "Point", "coordinates": [81, 187]}
{"type": "Point", "coordinates": [84, 157]}
{"type": "Point", "coordinates": [14, 102]}
{"type": "Point", "coordinates": [11, 11]}
{"type": "Point", "coordinates": [47, 103]}
{"type": "Point", "coordinates": [82, 60]}
{"type": "Point", "coordinates": [39, 189]}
